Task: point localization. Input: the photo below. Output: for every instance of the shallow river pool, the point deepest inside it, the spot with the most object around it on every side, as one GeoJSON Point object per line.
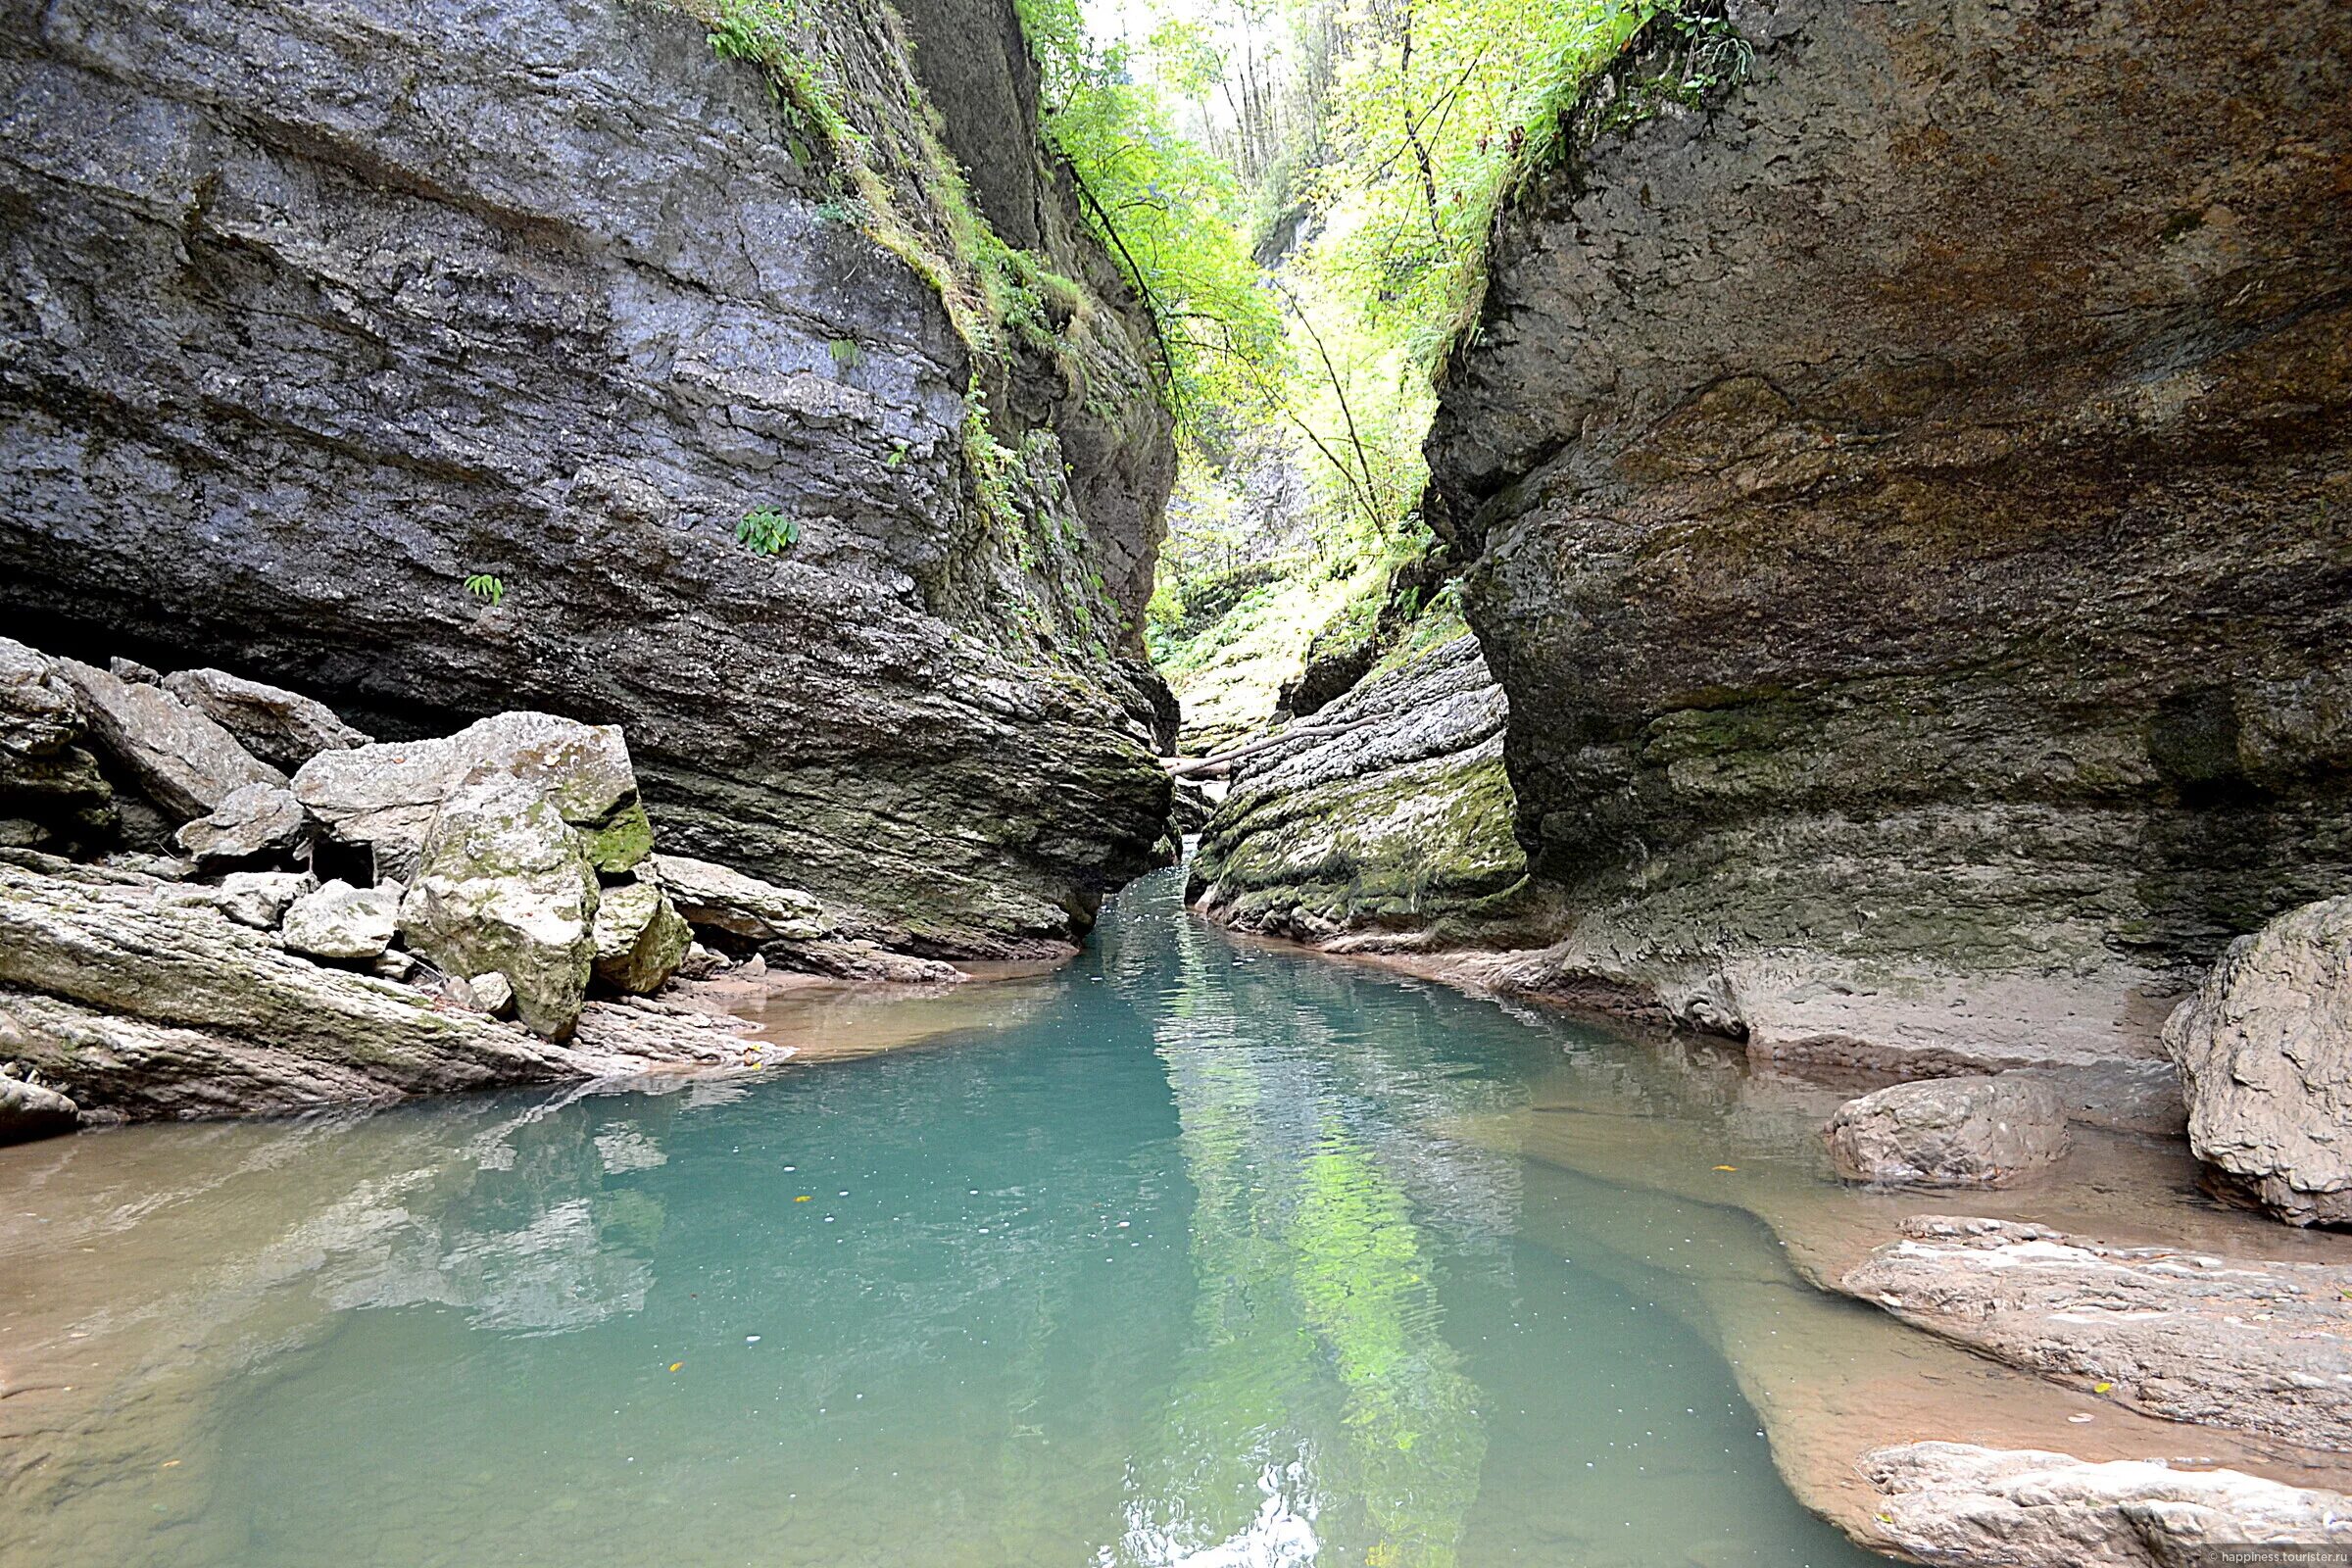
{"type": "Point", "coordinates": [1192, 1252]}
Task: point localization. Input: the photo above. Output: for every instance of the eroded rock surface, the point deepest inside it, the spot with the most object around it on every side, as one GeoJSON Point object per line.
{"type": "Point", "coordinates": [2265, 1049]}
{"type": "Point", "coordinates": [2262, 1346]}
{"type": "Point", "coordinates": [282, 729]}
{"type": "Point", "coordinates": [301, 349]}
{"type": "Point", "coordinates": [1950, 1132]}
{"type": "Point", "coordinates": [181, 759]}
{"type": "Point", "coordinates": [716, 899]}
{"type": "Point", "coordinates": [1402, 816]}
{"type": "Point", "coordinates": [252, 820]}
{"type": "Point", "coordinates": [1975, 1507]}
{"type": "Point", "coordinates": [1908, 502]}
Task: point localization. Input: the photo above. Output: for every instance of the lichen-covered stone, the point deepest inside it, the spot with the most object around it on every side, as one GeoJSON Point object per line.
{"type": "Point", "coordinates": [2265, 1051]}
{"type": "Point", "coordinates": [340, 921]}
{"type": "Point", "coordinates": [282, 729]}
{"type": "Point", "coordinates": [1904, 497]}
{"type": "Point", "coordinates": [641, 939]}
{"type": "Point", "coordinates": [251, 821]}
{"type": "Point", "coordinates": [143, 1008]}
{"type": "Point", "coordinates": [714, 897]}
{"type": "Point", "coordinates": [572, 319]}
{"type": "Point", "coordinates": [504, 884]}
{"type": "Point", "coordinates": [177, 756]}
{"type": "Point", "coordinates": [1950, 1132]}
{"type": "Point", "coordinates": [1404, 817]}
{"type": "Point", "coordinates": [385, 797]}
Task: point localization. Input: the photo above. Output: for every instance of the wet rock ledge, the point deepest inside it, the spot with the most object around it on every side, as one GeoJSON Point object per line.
{"type": "Point", "coordinates": [187, 929]}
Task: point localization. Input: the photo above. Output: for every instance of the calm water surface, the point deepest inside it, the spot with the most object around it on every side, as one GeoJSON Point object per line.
{"type": "Point", "coordinates": [1193, 1252]}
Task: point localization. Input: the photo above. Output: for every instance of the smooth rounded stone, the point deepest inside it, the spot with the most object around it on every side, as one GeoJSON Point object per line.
{"type": "Point", "coordinates": [2265, 1051]}
{"type": "Point", "coordinates": [2256, 1345]}
{"type": "Point", "coordinates": [181, 759]}
{"type": "Point", "coordinates": [253, 821]}
{"type": "Point", "coordinates": [30, 1110]}
{"type": "Point", "coordinates": [260, 899]}
{"type": "Point", "coordinates": [1963, 1505]}
{"type": "Point", "coordinates": [714, 897]}
{"type": "Point", "coordinates": [503, 884]}
{"type": "Point", "coordinates": [280, 727]}
{"type": "Point", "coordinates": [641, 939]}
{"type": "Point", "coordinates": [492, 993]}
{"type": "Point", "coordinates": [340, 921]}
{"type": "Point", "coordinates": [1950, 1132]}
{"type": "Point", "coordinates": [385, 796]}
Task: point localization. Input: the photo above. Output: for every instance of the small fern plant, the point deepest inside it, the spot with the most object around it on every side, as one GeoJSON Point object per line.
{"type": "Point", "coordinates": [483, 586]}
{"type": "Point", "coordinates": [765, 531]}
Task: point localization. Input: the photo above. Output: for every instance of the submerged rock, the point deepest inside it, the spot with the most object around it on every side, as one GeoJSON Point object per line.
{"type": "Point", "coordinates": [340, 921]}
{"type": "Point", "coordinates": [1975, 1507]}
{"type": "Point", "coordinates": [251, 821]}
{"type": "Point", "coordinates": [2262, 1346]}
{"type": "Point", "coordinates": [714, 897]}
{"type": "Point", "coordinates": [1950, 1132]}
{"type": "Point", "coordinates": [502, 883]}
{"type": "Point", "coordinates": [2264, 1050]}
{"type": "Point", "coordinates": [284, 728]}
{"type": "Point", "coordinates": [385, 797]}
{"type": "Point", "coordinates": [177, 757]}
{"type": "Point", "coordinates": [29, 1110]}
{"type": "Point", "coordinates": [641, 939]}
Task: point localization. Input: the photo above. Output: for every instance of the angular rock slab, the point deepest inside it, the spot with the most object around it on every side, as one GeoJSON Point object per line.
{"type": "Point", "coordinates": [1957, 1504]}
{"type": "Point", "coordinates": [641, 939]}
{"type": "Point", "coordinates": [284, 728]}
{"type": "Point", "coordinates": [341, 921]}
{"type": "Point", "coordinates": [504, 884]}
{"type": "Point", "coordinates": [180, 758]}
{"type": "Point", "coordinates": [2265, 1051]}
{"type": "Point", "coordinates": [251, 821]}
{"type": "Point", "coordinates": [2261, 1346]}
{"type": "Point", "coordinates": [28, 1111]}
{"type": "Point", "coordinates": [384, 796]}
{"type": "Point", "coordinates": [1950, 1132]}
{"type": "Point", "coordinates": [712, 898]}
{"type": "Point", "coordinates": [46, 778]}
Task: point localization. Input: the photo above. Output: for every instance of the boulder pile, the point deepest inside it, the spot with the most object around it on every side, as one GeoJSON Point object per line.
{"type": "Point", "coordinates": [215, 896]}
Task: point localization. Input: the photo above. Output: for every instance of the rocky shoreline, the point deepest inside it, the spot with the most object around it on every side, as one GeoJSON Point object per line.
{"type": "Point", "coordinates": [266, 911]}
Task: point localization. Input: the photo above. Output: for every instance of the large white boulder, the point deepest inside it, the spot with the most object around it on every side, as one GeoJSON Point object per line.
{"type": "Point", "coordinates": [2265, 1051]}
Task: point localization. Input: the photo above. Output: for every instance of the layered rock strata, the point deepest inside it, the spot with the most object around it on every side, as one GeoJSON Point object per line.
{"type": "Point", "coordinates": [1386, 810]}
{"type": "Point", "coordinates": [1903, 460]}
{"type": "Point", "coordinates": [430, 361]}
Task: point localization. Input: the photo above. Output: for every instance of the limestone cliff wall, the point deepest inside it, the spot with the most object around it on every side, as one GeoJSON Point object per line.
{"type": "Point", "coordinates": [313, 313]}
{"type": "Point", "coordinates": [1910, 493]}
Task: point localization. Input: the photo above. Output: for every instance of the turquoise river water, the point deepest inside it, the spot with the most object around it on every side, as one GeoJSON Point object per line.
{"type": "Point", "coordinates": [1194, 1251]}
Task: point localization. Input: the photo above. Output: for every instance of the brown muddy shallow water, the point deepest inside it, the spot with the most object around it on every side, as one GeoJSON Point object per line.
{"type": "Point", "coordinates": [1187, 1253]}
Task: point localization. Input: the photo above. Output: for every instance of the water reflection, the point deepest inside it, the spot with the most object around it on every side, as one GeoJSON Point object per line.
{"type": "Point", "coordinates": [1191, 1253]}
